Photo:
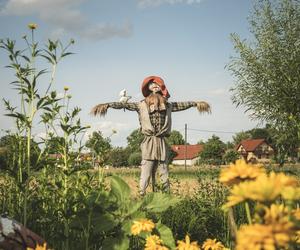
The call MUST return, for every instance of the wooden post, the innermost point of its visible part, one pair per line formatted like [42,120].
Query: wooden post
[185,145]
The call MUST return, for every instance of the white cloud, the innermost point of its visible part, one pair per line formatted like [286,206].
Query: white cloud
[155,3]
[218,92]
[107,127]
[65,16]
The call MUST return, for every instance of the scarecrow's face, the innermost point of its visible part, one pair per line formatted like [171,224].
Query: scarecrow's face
[154,87]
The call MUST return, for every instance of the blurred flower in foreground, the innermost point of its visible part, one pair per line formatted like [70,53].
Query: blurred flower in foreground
[266,237]
[32,26]
[153,242]
[210,244]
[187,244]
[264,189]
[239,172]
[142,225]
[66,88]
[276,213]
[38,247]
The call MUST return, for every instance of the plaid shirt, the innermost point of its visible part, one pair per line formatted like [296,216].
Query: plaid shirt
[157,118]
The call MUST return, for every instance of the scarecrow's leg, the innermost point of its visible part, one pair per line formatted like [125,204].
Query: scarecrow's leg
[154,168]
[163,170]
[146,172]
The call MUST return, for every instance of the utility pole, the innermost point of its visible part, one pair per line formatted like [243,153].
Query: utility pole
[185,145]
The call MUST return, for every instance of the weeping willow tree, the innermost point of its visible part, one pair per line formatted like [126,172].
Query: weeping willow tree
[266,67]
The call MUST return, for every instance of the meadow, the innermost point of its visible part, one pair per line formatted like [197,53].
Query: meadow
[74,206]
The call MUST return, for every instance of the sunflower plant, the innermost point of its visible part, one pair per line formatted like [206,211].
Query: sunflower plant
[273,222]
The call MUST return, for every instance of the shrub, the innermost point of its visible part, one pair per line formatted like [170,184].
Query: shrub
[135,159]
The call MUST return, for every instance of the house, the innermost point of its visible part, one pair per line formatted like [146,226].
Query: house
[255,150]
[188,152]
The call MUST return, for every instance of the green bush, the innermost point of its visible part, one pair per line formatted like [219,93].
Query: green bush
[135,159]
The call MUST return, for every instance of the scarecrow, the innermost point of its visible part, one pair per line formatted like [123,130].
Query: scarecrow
[155,120]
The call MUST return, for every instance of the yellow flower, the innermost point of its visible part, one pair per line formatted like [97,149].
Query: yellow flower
[210,244]
[297,238]
[296,213]
[32,26]
[239,172]
[276,213]
[66,88]
[264,188]
[267,237]
[142,225]
[187,244]
[152,242]
[291,193]
[38,247]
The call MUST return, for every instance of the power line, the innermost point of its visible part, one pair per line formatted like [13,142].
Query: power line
[212,131]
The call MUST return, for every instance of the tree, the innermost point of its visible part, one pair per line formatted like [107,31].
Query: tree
[238,137]
[213,151]
[175,138]
[231,156]
[118,157]
[267,69]
[135,159]
[99,146]
[134,140]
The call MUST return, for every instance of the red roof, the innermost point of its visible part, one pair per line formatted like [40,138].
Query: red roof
[250,144]
[192,151]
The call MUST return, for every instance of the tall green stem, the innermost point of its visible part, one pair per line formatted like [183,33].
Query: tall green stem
[248,213]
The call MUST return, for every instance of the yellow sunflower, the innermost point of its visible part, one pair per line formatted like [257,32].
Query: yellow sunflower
[291,193]
[239,172]
[152,242]
[210,244]
[142,225]
[267,237]
[38,247]
[264,188]
[276,213]
[238,194]
[187,244]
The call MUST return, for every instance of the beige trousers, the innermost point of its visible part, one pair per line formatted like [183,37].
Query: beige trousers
[148,169]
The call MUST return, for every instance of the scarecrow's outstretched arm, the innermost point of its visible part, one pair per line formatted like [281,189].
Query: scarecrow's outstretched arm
[101,109]
[201,106]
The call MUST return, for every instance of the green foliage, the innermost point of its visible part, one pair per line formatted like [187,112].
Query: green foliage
[230,156]
[135,159]
[175,138]
[238,137]
[32,101]
[99,147]
[118,157]
[201,219]
[134,140]
[212,151]
[266,69]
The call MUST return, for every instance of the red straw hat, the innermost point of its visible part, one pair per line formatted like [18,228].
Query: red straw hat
[159,81]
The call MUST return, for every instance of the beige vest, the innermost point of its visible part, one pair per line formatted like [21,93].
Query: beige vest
[154,146]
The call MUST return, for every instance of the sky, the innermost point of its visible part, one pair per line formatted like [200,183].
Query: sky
[118,43]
